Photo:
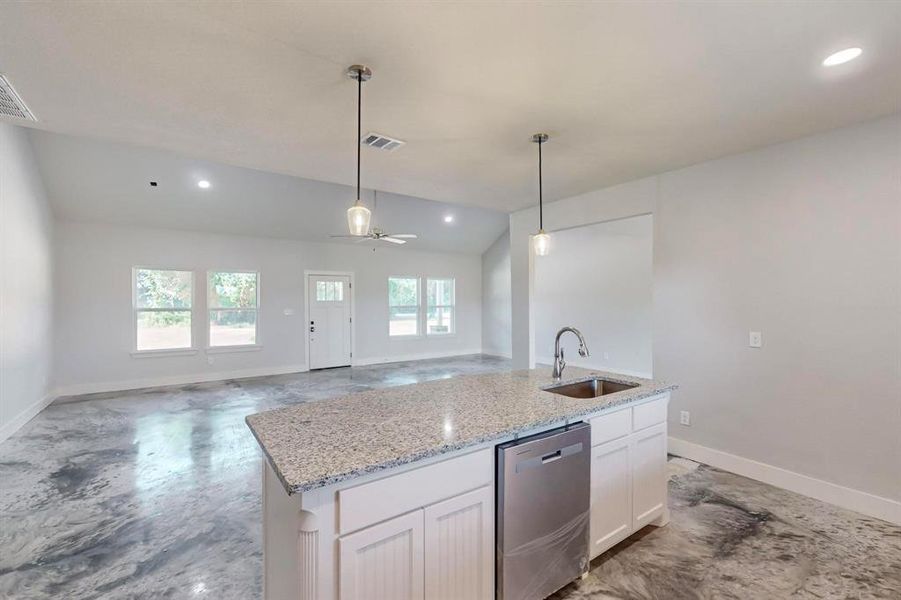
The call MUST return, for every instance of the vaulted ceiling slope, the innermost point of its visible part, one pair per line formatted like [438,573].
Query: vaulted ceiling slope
[625,89]
[109,182]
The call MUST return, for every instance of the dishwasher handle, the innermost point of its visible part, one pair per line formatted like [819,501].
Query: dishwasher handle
[551,457]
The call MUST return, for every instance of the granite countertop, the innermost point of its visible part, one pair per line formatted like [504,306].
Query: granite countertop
[323,442]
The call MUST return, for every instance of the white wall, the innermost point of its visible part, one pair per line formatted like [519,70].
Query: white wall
[94,334]
[801,241]
[598,279]
[496,317]
[618,202]
[26,280]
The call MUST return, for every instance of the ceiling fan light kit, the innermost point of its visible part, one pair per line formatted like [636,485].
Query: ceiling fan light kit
[541,241]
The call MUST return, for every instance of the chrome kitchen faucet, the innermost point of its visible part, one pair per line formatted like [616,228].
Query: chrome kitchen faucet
[559,363]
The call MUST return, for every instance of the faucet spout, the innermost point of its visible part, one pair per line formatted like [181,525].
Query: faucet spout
[559,362]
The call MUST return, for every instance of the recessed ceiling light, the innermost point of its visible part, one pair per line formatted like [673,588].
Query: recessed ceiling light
[448,218]
[842,56]
[203,184]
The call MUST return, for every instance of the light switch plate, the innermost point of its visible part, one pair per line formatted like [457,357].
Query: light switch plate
[685,418]
[755,339]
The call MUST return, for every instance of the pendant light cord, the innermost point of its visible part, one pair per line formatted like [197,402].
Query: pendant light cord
[359,125]
[540,192]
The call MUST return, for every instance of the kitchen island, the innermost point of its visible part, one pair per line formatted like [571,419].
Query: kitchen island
[390,493]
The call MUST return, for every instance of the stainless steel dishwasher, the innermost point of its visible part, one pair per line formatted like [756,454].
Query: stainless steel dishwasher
[543,498]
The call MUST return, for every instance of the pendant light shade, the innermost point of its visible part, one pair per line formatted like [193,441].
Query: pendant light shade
[358,216]
[541,242]
[358,219]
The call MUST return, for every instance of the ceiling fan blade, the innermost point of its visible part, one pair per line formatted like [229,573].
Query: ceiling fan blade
[409,236]
[393,240]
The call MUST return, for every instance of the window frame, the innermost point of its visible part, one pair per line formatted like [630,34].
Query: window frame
[210,349]
[453,307]
[418,307]
[135,311]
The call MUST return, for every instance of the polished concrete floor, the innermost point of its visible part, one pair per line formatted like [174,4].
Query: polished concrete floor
[155,494]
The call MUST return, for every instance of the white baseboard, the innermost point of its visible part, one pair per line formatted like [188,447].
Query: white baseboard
[856,500]
[506,355]
[136,384]
[25,416]
[378,360]
[549,360]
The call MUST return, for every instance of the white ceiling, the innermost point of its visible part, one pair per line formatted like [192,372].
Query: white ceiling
[625,89]
[109,182]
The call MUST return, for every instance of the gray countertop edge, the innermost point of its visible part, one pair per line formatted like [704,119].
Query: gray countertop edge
[610,401]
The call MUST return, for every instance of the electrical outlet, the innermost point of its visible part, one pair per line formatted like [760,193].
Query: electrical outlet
[685,418]
[755,339]
[606,356]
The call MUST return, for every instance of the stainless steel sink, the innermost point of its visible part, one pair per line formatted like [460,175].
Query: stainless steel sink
[590,389]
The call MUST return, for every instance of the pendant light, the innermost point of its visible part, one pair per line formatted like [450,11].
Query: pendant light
[541,242]
[358,216]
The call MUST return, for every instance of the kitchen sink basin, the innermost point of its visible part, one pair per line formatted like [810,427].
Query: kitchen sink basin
[591,388]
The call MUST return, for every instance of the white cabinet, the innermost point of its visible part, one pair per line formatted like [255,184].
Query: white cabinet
[611,494]
[384,561]
[442,552]
[648,475]
[628,474]
[459,548]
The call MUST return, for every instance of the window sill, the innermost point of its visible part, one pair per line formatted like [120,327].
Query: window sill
[227,349]
[162,353]
[405,337]
[441,335]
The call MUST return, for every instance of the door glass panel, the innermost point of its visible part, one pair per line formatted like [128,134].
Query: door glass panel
[329,291]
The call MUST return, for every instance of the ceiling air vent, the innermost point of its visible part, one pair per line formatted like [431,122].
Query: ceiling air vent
[381,142]
[11,104]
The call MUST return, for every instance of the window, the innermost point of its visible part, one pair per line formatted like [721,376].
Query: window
[440,310]
[163,302]
[232,298]
[403,306]
[329,291]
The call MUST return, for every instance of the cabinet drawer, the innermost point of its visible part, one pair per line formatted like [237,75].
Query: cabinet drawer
[385,498]
[609,427]
[648,414]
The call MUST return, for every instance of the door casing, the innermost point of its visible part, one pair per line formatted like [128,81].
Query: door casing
[306,311]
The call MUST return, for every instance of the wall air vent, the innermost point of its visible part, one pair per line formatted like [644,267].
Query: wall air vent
[11,104]
[381,142]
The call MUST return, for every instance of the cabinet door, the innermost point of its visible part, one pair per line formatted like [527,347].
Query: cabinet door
[459,547]
[648,475]
[383,562]
[611,494]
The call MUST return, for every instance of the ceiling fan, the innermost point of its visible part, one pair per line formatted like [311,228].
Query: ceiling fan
[380,236]
[358,216]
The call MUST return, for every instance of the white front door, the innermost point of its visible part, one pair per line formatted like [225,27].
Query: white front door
[329,325]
